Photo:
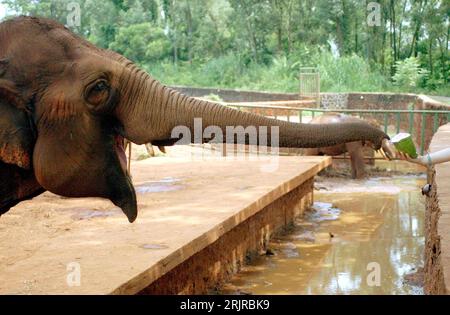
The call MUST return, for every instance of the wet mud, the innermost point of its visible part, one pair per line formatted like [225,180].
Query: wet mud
[166,184]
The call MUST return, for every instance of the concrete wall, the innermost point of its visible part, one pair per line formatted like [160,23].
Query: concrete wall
[424,102]
[232,96]
[380,100]
[405,102]
[437,220]
[334,100]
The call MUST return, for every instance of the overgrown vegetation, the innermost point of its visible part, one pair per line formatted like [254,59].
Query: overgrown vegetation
[348,73]
[261,44]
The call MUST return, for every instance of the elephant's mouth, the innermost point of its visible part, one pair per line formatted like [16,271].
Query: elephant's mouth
[121,191]
[119,148]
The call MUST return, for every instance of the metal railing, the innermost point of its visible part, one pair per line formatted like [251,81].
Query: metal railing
[386,115]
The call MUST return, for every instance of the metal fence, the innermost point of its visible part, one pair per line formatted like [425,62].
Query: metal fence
[385,116]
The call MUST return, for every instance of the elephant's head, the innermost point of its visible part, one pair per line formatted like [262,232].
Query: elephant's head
[66,107]
[59,94]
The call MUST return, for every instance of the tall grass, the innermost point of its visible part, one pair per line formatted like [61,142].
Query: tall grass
[344,74]
[349,73]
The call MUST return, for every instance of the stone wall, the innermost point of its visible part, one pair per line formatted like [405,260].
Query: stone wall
[437,220]
[334,100]
[381,101]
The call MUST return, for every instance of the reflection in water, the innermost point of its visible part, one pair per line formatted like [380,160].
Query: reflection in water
[329,251]
[323,211]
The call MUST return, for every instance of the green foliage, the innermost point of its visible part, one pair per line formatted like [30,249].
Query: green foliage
[350,73]
[408,73]
[141,42]
[261,44]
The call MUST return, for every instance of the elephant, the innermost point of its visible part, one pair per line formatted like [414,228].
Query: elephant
[355,148]
[148,146]
[66,107]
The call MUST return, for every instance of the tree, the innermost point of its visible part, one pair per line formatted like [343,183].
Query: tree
[142,43]
[282,34]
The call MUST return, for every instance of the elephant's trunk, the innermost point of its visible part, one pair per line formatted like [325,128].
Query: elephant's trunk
[153,110]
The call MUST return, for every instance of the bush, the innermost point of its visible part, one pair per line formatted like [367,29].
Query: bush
[344,74]
[349,73]
[142,43]
[408,74]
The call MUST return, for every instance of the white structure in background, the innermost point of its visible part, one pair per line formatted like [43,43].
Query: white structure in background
[334,48]
[310,84]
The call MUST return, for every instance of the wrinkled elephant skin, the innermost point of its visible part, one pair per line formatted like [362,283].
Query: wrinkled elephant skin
[355,149]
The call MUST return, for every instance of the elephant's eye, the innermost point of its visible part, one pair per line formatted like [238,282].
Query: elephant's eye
[98,93]
[100,86]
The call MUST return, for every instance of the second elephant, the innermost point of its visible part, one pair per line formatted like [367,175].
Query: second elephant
[355,149]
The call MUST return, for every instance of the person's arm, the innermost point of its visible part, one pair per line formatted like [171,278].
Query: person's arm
[441,156]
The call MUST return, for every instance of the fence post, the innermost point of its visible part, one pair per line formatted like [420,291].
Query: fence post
[398,122]
[385,123]
[300,116]
[435,122]
[422,133]
[318,89]
[411,122]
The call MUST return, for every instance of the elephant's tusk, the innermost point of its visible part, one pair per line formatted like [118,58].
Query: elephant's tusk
[129,159]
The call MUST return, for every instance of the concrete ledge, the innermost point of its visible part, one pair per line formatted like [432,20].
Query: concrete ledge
[437,232]
[216,263]
[229,95]
[197,222]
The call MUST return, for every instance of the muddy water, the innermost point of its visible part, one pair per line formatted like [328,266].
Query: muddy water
[355,229]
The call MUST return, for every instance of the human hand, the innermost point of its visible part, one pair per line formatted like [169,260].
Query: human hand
[421,160]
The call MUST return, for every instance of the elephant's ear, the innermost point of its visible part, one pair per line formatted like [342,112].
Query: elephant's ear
[16,147]
[16,133]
